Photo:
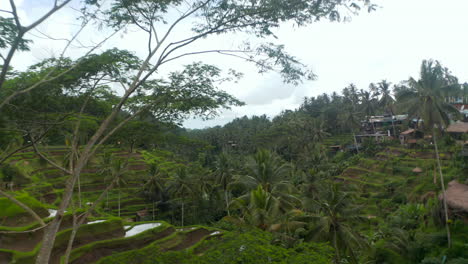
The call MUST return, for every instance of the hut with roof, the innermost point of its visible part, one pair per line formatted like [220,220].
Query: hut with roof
[410,136]
[458,130]
[457,197]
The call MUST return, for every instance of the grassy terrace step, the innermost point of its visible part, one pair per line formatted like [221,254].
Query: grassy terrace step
[190,239]
[85,235]
[13,215]
[130,210]
[27,241]
[92,252]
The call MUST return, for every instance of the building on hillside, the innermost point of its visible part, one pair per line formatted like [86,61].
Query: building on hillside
[456,99]
[461,103]
[382,124]
[410,136]
[375,137]
[458,130]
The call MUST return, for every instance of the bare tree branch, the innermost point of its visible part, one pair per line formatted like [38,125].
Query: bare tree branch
[51,162]
[21,31]
[15,15]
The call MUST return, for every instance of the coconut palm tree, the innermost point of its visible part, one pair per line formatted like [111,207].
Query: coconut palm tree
[153,187]
[334,214]
[350,120]
[181,187]
[104,169]
[425,100]
[224,176]
[265,169]
[260,208]
[118,173]
[386,100]
[268,171]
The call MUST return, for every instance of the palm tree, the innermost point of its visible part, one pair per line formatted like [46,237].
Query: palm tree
[368,104]
[265,169]
[153,187]
[386,100]
[334,215]
[118,173]
[260,208]
[349,119]
[105,165]
[425,98]
[224,175]
[181,187]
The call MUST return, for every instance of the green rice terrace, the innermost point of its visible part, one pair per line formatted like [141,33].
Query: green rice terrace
[118,232]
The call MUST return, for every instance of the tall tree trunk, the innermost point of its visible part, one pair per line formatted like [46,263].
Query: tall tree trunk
[227,201]
[449,243]
[119,202]
[355,142]
[71,239]
[48,240]
[50,232]
[153,210]
[79,192]
[393,125]
[182,213]
[335,244]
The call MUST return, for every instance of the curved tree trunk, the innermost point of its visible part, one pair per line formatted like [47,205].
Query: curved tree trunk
[443,190]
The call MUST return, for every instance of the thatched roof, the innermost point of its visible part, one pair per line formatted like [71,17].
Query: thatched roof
[417,170]
[459,127]
[457,196]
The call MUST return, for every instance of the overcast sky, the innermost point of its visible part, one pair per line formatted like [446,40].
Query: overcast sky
[389,43]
